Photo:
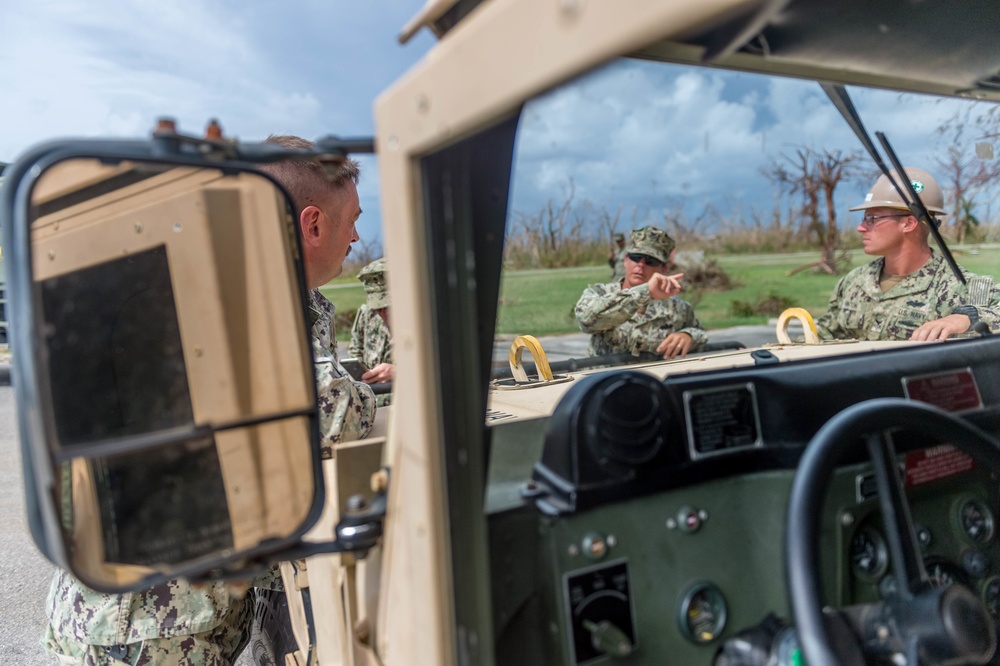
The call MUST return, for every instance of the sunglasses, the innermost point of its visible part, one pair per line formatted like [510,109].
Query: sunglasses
[869,221]
[652,263]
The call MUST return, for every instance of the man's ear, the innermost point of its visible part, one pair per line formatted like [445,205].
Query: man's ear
[309,225]
[910,223]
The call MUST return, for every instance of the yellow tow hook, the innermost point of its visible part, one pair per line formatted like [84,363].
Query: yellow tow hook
[804,318]
[532,344]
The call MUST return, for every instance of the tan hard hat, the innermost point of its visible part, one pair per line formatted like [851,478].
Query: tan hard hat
[884,195]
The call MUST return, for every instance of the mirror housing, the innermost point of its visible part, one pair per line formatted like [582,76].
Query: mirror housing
[162,361]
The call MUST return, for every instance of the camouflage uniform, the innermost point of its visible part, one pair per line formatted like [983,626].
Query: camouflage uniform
[630,320]
[371,340]
[621,320]
[346,406]
[172,623]
[859,310]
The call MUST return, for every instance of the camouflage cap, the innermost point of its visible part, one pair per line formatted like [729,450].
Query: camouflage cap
[373,278]
[652,242]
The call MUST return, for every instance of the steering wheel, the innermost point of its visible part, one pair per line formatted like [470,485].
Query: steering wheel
[929,626]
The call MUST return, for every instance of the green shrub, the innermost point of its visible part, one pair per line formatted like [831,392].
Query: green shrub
[770,306]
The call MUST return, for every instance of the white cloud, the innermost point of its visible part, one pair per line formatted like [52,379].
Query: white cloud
[633,135]
[111,68]
[658,136]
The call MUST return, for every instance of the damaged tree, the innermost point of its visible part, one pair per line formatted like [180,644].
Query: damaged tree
[816,175]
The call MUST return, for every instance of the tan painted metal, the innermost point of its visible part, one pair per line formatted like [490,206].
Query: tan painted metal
[803,317]
[534,347]
[395,607]
[243,338]
[541,401]
[342,596]
[459,87]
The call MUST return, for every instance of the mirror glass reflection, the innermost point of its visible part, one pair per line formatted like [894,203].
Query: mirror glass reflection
[177,377]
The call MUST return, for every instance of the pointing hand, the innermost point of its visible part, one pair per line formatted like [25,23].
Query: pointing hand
[664,286]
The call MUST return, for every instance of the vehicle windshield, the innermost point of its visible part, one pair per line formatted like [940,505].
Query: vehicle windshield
[751,177]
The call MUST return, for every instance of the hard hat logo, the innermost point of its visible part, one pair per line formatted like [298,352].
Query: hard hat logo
[884,193]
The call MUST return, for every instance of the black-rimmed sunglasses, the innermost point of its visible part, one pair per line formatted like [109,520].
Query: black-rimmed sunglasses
[652,263]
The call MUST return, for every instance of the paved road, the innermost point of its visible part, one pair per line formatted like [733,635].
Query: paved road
[25,574]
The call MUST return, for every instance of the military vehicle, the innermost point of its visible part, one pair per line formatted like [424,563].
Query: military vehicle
[795,503]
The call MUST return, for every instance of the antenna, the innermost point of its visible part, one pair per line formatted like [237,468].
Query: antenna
[842,100]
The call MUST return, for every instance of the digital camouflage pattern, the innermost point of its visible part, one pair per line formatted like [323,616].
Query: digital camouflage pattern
[859,310]
[346,406]
[372,277]
[171,623]
[652,242]
[629,320]
[371,342]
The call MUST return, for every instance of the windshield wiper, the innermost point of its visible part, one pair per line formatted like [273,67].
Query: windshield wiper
[838,95]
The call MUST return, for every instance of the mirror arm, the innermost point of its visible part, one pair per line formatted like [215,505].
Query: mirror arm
[330,151]
[359,530]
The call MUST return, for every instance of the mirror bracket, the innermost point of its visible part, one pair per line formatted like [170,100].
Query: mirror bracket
[359,530]
[361,523]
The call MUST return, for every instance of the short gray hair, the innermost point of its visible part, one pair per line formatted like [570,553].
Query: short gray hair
[306,180]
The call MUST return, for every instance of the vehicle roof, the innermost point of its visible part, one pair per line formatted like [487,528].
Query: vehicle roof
[932,46]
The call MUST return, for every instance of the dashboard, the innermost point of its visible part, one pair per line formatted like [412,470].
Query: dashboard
[644,520]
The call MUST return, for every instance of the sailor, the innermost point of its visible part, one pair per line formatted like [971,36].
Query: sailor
[909,291]
[371,340]
[641,312]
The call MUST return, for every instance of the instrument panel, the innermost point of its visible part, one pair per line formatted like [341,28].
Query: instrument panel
[666,500]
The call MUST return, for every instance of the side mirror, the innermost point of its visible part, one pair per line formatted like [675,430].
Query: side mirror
[161,363]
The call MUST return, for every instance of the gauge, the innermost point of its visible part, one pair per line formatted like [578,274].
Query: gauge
[869,556]
[786,648]
[976,520]
[991,595]
[975,564]
[702,613]
[600,609]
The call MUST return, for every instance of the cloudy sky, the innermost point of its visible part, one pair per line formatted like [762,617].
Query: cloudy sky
[643,137]
[650,138]
[111,68]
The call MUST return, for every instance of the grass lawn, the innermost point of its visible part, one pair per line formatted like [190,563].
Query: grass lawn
[540,302]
